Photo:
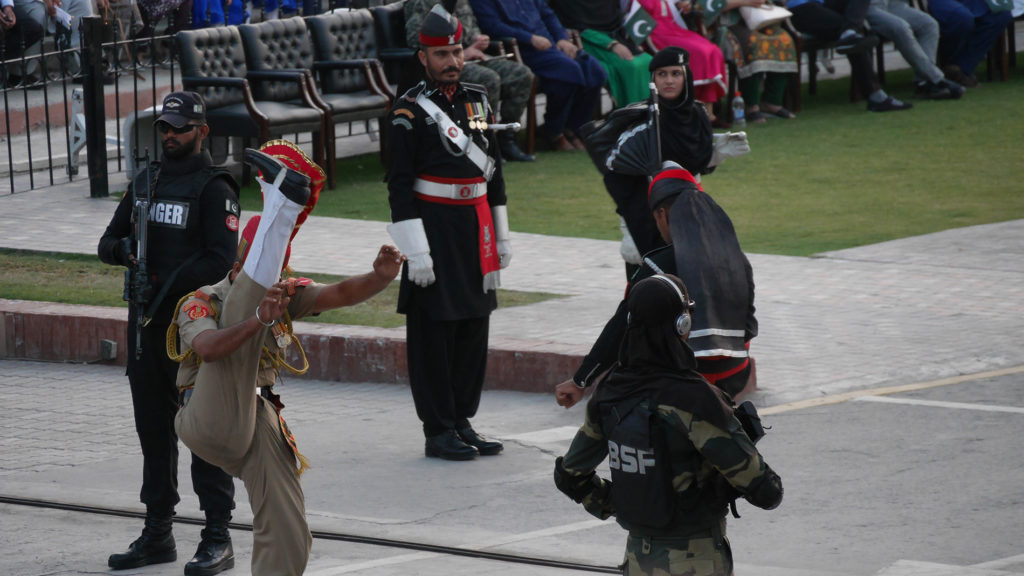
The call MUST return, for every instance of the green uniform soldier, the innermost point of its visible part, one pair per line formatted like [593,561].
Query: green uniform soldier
[678,455]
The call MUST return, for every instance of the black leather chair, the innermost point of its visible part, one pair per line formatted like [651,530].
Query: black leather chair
[283,46]
[399,59]
[350,79]
[213,63]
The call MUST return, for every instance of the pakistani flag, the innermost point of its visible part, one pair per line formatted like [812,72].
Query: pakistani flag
[639,24]
[1000,5]
[712,9]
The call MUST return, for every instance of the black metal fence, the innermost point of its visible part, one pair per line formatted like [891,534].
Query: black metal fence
[94,97]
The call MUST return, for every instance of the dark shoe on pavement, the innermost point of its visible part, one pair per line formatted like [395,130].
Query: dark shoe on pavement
[890,104]
[212,557]
[154,546]
[856,43]
[932,91]
[510,150]
[483,445]
[296,184]
[215,553]
[448,446]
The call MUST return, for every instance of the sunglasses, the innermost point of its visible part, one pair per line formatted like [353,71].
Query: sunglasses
[165,128]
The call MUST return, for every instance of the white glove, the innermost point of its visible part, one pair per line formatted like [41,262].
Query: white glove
[411,238]
[630,253]
[729,145]
[500,216]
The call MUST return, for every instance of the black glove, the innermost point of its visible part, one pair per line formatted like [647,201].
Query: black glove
[575,487]
[766,493]
[123,252]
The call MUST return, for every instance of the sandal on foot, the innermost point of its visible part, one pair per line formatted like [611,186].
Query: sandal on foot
[781,112]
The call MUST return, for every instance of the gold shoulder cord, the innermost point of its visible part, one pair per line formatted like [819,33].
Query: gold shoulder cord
[172,332]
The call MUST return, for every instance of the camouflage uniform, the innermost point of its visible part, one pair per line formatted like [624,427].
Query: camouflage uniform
[702,455]
[508,83]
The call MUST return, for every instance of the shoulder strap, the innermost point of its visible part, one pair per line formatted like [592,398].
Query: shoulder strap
[450,132]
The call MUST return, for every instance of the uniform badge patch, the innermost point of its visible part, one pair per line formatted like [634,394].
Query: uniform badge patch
[232,222]
[197,310]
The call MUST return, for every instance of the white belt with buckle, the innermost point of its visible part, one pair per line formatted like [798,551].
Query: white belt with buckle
[450,191]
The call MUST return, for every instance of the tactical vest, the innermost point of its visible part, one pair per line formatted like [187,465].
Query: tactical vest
[640,463]
[174,216]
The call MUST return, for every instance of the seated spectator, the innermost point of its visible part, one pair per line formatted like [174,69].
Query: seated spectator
[600,23]
[44,12]
[706,61]
[177,12]
[508,83]
[916,36]
[968,30]
[842,21]
[570,78]
[763,57]
[208,13]
[17,32]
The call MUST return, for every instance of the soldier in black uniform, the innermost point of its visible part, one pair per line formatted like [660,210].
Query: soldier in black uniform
[721,280]
[447,198]
[193,234]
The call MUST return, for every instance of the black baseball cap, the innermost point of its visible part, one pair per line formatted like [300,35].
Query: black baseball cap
[183,108]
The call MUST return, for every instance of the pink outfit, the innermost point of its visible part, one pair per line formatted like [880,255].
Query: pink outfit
[706,61]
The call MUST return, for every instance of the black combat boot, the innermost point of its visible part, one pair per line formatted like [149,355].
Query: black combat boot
[510,150]
[215,553]
[155,546]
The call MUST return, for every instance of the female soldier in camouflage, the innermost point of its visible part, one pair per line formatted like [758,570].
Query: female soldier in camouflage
[677,453]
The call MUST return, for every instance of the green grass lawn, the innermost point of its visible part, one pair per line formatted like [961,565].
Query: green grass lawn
[83,279]
[837,176]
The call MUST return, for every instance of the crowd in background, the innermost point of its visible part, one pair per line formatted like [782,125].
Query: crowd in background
[943,41]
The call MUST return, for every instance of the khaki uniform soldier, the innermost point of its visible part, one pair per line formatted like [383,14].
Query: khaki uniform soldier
[678,454]
[507,82]
[233,338]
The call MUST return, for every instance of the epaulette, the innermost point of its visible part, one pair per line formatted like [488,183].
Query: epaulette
[474,88]
[293,283]
[411,94]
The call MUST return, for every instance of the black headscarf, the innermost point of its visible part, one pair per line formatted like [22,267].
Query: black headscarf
[655,361]
[686,136]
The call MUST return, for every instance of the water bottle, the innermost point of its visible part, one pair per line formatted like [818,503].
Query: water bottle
[738,111]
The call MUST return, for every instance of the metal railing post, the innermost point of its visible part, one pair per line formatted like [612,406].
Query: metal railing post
[95,105]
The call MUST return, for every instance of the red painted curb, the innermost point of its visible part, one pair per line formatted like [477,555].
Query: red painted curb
[70,333]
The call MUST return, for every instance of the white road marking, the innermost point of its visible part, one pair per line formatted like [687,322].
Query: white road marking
[940,404]
[549,436]
[846,396]
[1002,563]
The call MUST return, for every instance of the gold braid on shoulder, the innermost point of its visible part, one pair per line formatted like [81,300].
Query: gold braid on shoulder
[172,332]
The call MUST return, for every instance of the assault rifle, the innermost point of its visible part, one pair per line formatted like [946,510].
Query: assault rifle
[137,287]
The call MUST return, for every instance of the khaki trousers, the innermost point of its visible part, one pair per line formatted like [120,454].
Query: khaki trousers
[226,423]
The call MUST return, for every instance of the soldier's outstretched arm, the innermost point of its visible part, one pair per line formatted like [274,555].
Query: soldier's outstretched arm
[212,345]
[354,290]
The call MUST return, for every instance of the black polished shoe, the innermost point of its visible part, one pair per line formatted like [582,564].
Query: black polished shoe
[214,555]
[296,184]
[154,546]
[448,446]
[483,445]
[510,151]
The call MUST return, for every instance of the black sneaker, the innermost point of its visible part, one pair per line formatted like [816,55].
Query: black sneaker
[856,43]
[932,91]
[955,90]
[890,104]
